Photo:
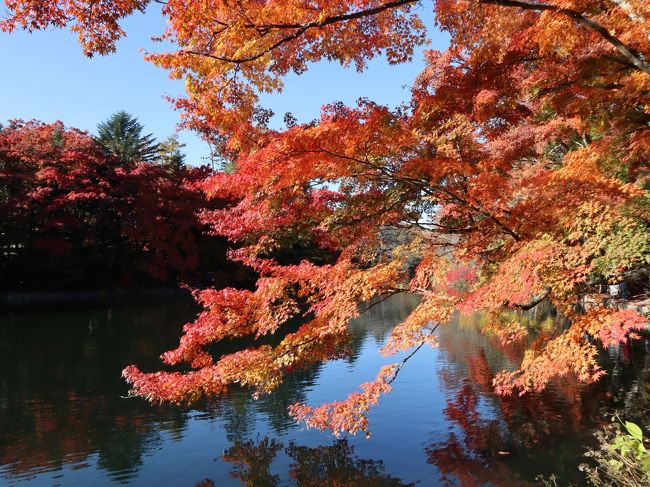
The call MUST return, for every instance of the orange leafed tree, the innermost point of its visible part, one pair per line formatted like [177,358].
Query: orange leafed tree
[518,170]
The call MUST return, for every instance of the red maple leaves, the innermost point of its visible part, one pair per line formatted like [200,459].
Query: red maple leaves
[521,156]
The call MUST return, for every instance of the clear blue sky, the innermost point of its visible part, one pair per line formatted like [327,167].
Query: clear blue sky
[46,77]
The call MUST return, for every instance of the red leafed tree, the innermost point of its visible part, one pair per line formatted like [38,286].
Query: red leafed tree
[521,156]
[68,207]
[50,177]
[159,217]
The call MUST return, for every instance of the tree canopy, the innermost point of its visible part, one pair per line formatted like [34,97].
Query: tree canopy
[121,135]
[519,167]
[73,214]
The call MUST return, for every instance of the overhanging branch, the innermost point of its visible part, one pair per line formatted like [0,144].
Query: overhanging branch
[634,58]
[300,29]
[534,301]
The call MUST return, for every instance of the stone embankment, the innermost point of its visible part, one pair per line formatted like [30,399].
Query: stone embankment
[640,304]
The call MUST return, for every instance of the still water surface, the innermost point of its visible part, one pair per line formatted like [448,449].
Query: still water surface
[64,420]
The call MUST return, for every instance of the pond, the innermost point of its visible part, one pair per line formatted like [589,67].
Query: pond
[64,419]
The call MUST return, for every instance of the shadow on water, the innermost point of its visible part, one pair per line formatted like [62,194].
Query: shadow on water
[64,420]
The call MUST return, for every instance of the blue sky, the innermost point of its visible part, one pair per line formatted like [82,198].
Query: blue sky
[46,77]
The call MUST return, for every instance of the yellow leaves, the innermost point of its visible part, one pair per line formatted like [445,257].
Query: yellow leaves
[637,84]
[583,166]
[571,353]
[342,294]
[520,278]
[449,136]
[607,238]
[610,326]
[557,35]
[494,30]
[430,273]
[580,163]
[507,331]
[417,327]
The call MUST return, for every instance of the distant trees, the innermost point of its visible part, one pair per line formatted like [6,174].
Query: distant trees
[122,136]
[170,154]
[72,212]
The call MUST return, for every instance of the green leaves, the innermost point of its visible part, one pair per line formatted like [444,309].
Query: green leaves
[631,447]
[634,431]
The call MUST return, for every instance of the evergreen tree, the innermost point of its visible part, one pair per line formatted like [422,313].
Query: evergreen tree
[121,135]
[169,153]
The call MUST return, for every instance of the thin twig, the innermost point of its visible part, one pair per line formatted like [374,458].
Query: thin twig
[417,349]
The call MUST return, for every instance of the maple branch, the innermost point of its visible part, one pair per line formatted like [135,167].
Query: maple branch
[484,213]
[534,301]
[252,57]
[301,29]
[634,58]
[383,298]
[318,337]
[297,346]
[408,357]
[368,216]
[339,18]
[421,185]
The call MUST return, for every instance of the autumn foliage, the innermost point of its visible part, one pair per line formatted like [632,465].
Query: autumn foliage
[73,215]
[519,167]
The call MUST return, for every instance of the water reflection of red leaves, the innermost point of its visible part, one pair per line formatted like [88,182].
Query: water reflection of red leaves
[481,436]
[458,467]
[58,439]
[493,428]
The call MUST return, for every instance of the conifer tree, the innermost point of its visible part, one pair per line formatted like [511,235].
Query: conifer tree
[122,135]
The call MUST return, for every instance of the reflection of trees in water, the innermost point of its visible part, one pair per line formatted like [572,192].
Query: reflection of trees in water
[60,388]
[60,401]
[252,462]
[336,465]
[71,430]
[629,386]
[382,315]
[499,437]
[459,467]
[329,465]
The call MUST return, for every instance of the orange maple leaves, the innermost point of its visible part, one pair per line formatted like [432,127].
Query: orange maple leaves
[572,352]
[96,22]
[349,415]
[518,171]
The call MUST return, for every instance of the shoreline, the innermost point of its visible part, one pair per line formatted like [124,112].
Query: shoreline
[52,300]
[640,304]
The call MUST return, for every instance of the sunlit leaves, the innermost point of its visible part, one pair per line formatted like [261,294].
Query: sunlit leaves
[517,172]
[96,22]
[513,176]
[350,414]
